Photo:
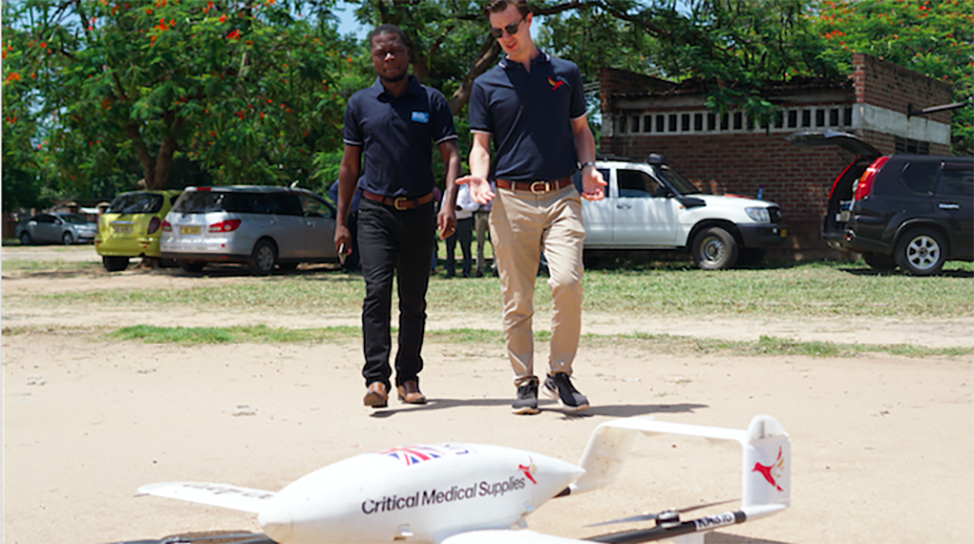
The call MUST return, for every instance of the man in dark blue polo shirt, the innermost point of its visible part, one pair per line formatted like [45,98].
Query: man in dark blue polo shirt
[532,107]
[391,128]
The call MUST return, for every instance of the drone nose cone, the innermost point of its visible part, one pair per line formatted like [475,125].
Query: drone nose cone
[276,523]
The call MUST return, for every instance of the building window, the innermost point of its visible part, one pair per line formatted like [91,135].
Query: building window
[806,118]
[906,145]
[819,117]
[711,121]
[685,122]
[750,123]
[647,123]
[698,122]
[738,120]
[779,119]
[847,117]
[834,117]
[622,125]
[635,124]
[672,122]
[792,119]
[723,121]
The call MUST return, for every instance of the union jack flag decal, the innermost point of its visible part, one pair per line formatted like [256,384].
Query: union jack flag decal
[412,455]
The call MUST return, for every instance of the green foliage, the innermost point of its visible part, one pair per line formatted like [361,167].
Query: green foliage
[730,49]
[933,37]
[248,92]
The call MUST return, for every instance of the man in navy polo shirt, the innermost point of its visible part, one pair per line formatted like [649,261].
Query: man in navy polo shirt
[391,128]
[532,106]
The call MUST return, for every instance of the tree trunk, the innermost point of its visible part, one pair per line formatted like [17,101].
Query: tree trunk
[485,58]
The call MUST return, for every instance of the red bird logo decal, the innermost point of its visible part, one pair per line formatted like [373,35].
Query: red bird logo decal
[771,472]
[528,469]
[554,84]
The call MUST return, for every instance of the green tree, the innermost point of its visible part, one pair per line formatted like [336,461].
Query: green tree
[935,38]
[732,47]
[250,91]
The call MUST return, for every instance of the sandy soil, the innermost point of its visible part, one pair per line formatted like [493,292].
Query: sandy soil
[882,445]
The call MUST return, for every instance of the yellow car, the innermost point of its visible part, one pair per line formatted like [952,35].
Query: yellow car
[131,227]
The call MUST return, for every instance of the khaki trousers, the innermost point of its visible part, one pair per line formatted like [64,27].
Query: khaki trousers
[522,225]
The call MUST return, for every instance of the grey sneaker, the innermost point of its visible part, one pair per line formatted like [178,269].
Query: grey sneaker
[560,388]
[527,399]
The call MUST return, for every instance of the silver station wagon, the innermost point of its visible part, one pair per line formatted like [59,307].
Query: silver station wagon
[260,226]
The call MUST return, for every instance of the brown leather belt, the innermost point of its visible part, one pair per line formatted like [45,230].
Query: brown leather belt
[399,203]
[536,187]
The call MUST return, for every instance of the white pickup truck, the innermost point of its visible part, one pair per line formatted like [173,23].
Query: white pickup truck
[650,206]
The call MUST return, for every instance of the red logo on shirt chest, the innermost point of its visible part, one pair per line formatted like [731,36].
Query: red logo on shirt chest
[554,84]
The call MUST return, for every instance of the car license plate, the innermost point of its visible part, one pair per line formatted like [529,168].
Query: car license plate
[189,230]
[122,229]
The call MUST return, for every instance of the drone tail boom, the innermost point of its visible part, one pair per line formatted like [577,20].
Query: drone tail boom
[766,468]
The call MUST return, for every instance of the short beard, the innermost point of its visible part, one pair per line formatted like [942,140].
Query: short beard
[395,79]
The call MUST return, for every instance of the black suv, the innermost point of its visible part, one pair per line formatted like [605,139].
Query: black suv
[914,211]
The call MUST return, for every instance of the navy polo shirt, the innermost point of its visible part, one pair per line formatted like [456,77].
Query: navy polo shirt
[528,116]
[396,134]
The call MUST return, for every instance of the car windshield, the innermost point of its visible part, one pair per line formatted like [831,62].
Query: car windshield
[678,182]
[74,218]
[136,203]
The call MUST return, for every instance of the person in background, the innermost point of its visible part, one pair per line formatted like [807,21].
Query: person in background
[437,198]
[463,234]
[481,217]
[389,133]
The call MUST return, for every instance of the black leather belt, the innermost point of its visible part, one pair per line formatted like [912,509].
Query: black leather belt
[536,187]
[399,203]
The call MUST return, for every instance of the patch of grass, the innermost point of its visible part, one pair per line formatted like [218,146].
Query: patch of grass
[57,266]
[764,346]
[815,289]
[260,334]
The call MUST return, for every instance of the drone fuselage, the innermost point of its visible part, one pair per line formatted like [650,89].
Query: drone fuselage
[423,493]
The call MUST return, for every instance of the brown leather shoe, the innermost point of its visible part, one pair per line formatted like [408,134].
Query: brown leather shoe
[410,394]
[376,396]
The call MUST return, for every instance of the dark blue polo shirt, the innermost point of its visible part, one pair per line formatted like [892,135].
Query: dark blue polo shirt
[528,116]
[397,134]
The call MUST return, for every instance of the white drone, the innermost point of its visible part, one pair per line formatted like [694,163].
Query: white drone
[479,494]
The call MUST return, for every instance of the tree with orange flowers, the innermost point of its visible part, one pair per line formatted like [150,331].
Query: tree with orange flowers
[248,91]
[933,37]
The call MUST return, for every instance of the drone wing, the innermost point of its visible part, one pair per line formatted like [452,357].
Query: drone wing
[223,495]
[508,536]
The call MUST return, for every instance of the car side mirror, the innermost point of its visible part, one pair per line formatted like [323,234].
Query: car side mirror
[662,192]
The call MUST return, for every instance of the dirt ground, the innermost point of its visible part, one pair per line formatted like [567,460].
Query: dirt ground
[882,445]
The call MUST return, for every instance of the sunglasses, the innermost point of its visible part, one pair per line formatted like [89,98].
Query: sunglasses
[511,29]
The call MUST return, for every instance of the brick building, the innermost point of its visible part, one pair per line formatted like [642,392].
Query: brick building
[729,153]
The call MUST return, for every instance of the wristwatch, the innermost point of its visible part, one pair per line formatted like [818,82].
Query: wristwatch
[589,163]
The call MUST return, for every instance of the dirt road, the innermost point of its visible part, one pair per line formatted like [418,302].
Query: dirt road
[882,445]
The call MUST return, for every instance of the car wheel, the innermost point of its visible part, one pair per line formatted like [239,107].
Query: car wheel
[287,268]
[920,252]
[263,258]
[878,261]
[115,264]
[714,248]
[25,239]
[751,256]
[193,267]
[67,239]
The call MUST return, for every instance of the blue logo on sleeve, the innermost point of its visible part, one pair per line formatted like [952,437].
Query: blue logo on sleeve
[421,117]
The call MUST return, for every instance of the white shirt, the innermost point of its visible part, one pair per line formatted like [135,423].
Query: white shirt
[465,205]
